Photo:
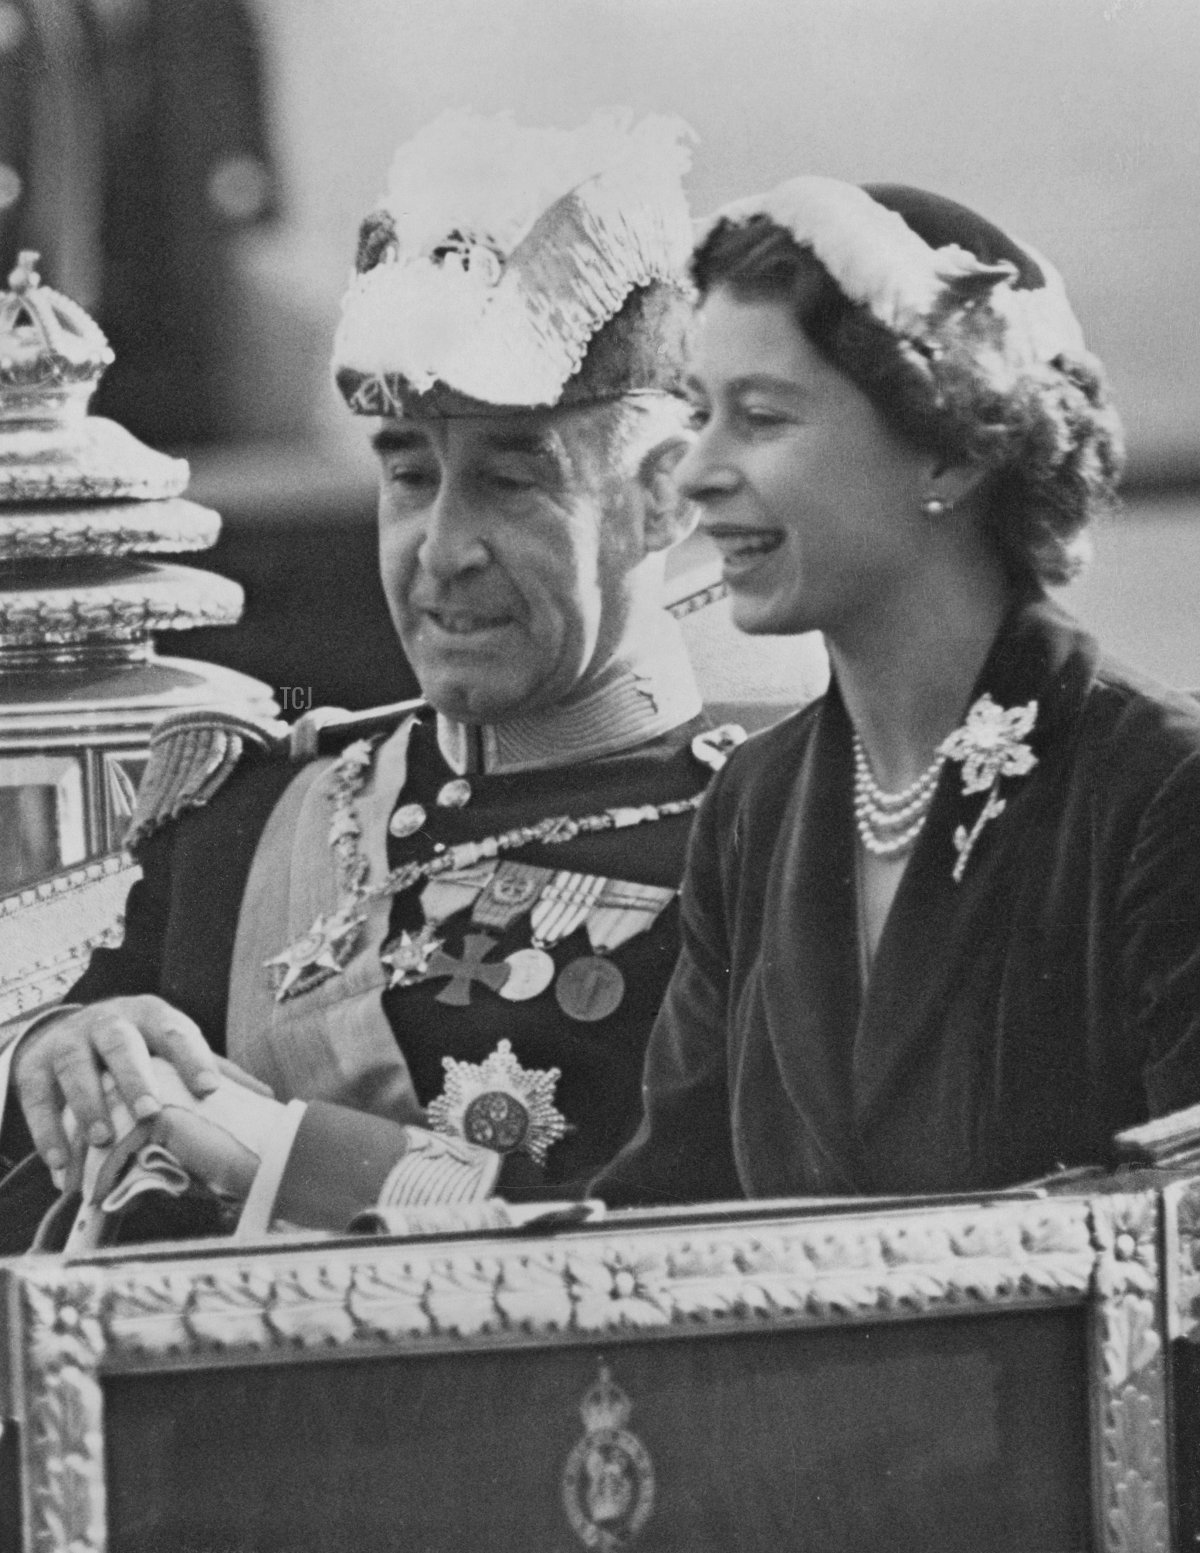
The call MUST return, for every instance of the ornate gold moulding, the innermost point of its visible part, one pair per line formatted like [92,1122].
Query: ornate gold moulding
[619,1295]
[86,601]
[56,533]
[89,460]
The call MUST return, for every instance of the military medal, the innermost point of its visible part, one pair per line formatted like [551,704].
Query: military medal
[562,904]
[530,972]
[316,956]
[592,987]
[511,893]
[589,988]
[499,893]
[512,890]
[560,908]
[499,1105]
[407,820]
[455,794]
[472,967]
[408,956]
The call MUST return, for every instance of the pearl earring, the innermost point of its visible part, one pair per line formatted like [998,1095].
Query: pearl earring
[934,507]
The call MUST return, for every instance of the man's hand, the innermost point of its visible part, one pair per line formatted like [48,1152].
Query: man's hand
[62,1066]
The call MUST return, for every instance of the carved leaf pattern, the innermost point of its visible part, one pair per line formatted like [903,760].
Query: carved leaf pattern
[461,1297]
[987,1238]
[1137,1516]
[1138,1520]
[148,1316]
[389,1301]
[618,1289]
[1125,1229]
[309,1308]
[64,1416]
[829,1249]
[1131,1343]
[533,1295]
[1045,1232]
[1188,1217]
[228,1308]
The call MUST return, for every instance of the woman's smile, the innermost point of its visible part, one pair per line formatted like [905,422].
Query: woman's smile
[742,548]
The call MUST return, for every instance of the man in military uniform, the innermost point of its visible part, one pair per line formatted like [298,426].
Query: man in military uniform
[458,915]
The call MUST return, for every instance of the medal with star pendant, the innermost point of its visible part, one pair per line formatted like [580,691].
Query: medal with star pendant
[315,957]
[408,955]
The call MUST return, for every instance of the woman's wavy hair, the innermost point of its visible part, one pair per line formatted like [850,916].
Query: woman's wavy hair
[1050,440]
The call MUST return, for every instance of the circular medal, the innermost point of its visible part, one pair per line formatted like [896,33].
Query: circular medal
[496,1120]
[407,820]
[455,794]
[589,988]
[530,972]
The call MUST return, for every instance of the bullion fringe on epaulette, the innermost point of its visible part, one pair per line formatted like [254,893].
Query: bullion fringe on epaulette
[191,757]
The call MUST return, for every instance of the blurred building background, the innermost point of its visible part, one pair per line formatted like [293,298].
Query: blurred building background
[195,170]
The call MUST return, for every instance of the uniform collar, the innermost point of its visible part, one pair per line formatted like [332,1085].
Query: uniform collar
[637,697]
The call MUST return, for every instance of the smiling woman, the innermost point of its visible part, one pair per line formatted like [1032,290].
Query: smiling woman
[942,928]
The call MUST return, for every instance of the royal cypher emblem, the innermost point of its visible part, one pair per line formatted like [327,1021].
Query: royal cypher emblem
[608,1480]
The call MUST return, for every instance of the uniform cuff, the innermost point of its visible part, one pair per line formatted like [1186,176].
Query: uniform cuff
[341,1161]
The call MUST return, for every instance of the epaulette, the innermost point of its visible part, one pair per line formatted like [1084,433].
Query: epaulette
[191,755]
[328,728]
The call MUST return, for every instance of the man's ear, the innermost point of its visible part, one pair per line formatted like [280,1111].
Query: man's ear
[667,516]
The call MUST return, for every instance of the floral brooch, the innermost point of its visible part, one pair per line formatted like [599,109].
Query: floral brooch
[990,745]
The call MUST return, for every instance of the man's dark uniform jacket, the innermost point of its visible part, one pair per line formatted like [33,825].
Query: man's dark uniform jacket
[182,917]
[1012,1021]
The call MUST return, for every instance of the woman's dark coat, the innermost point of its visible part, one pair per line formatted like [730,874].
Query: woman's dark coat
[1012,1022]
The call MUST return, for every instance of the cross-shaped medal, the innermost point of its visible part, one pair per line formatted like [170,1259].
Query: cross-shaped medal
[470,968]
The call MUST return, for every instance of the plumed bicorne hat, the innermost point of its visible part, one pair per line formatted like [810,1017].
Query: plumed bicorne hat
[512,267]
[930,270]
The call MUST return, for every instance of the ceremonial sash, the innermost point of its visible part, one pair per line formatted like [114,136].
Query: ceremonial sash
[335,1042]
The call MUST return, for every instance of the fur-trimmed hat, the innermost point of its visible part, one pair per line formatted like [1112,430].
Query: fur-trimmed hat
[931,271]
[516,267]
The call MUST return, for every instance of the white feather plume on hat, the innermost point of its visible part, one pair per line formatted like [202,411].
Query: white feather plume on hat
[913,289]
[498,252]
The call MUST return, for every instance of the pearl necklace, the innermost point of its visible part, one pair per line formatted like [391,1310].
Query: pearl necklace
[889,823]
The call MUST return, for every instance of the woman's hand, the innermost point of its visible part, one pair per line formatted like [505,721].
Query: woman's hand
[63,1063]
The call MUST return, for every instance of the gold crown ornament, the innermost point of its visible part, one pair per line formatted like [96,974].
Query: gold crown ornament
[81,502]
[499,253]
[52,357]
[77,492]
